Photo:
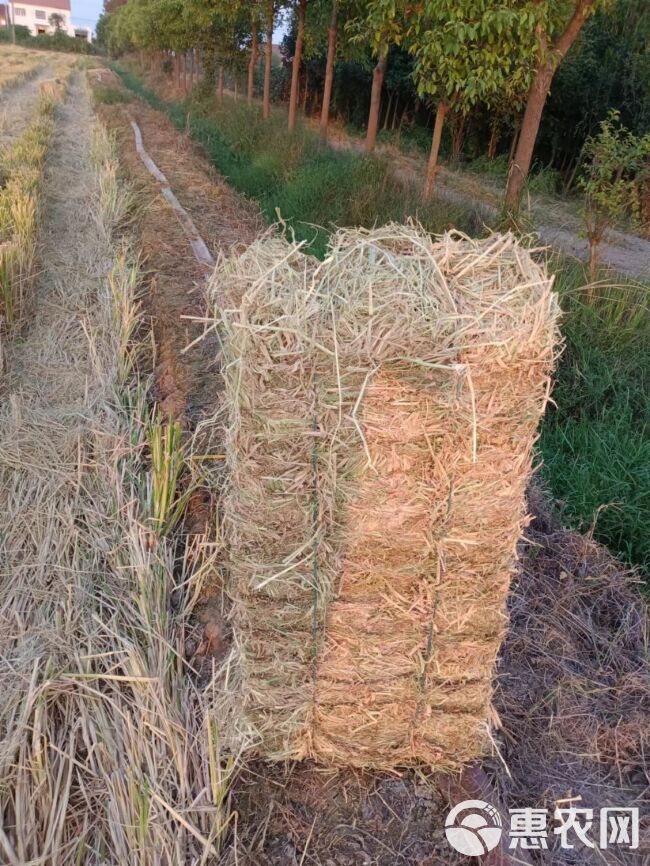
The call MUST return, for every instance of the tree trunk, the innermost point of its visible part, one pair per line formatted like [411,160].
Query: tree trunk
[252,61]
[220,85]
[268,58]
[493,142]
[329,71]
[572,175]
[177,70]
[295,66]
[236,89]
[432,167]
[458,137]
[375,98]
[395,113]
[513,144]
[185,71]
[388,108]
[594,261]
[535,105]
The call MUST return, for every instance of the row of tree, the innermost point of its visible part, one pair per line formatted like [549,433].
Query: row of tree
[501,55]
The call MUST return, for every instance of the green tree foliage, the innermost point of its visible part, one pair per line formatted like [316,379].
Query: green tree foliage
[468,52]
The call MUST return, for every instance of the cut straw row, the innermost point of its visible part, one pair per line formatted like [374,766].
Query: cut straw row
[106,755]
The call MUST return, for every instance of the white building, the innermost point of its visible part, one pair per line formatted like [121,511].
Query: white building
[38,17]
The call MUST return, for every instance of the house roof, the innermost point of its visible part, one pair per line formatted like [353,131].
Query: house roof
[54,5]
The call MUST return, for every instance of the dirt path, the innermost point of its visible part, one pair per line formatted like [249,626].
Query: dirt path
[555,220]
[186,383]
[17,104]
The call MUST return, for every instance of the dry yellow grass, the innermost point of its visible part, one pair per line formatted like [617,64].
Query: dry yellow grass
[21,165]
[106,756]
[17,63]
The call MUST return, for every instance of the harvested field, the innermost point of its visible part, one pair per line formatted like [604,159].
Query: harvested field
[17,64]
[115,644]
[97,728]
[21,165]
[20,96]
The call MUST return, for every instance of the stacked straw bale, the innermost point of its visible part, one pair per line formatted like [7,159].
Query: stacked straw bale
[383,407]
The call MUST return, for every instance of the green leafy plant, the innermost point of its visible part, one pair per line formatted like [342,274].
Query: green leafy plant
[167,454]
[616,167]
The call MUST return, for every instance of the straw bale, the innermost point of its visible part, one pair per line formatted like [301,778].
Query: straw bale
[383,407]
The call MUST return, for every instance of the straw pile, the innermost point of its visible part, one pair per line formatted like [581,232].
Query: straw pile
[383,406]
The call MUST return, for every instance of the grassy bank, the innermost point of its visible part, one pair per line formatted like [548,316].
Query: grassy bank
[596,441]
[594,444]
[292,176]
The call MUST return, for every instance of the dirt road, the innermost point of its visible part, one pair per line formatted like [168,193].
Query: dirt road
[555,221]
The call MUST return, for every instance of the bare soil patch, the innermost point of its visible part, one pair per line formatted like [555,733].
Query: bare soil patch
[186,384]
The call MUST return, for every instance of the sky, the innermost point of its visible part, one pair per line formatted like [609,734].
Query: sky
[86,12]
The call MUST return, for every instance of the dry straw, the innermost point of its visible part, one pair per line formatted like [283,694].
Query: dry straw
[106,756]
[383,406]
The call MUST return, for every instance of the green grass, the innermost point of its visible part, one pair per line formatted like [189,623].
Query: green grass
[541,180]
[595,444]
[313,188]
[110,95]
